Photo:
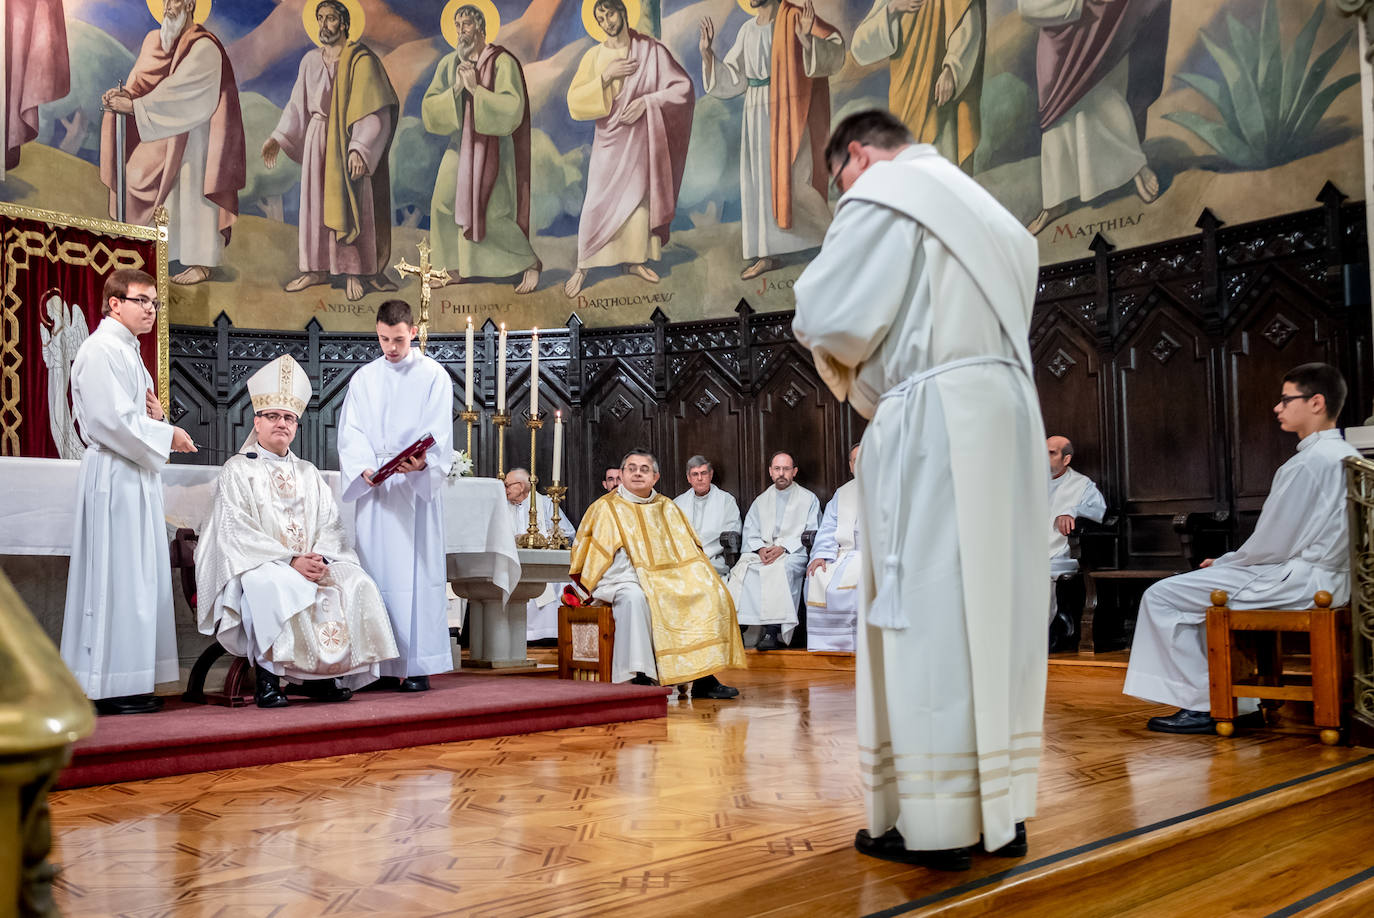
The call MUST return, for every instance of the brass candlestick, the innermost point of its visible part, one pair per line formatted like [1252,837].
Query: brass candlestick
[501,420]
[557,539]
[533,538]
[470,417]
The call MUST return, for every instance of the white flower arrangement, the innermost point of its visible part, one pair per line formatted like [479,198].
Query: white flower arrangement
[462,465]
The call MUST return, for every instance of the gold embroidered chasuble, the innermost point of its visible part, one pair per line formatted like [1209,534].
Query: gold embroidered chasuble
[692,616]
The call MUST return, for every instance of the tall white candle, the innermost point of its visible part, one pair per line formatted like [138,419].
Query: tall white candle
[534,375]
[467,383]
[501,372]
[557,446]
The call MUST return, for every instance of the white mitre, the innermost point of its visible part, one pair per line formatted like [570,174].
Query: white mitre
[281,385]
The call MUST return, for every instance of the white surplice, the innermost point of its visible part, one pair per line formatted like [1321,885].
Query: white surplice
[745,69]
[400,523]
[917,311]
[1300,545]
[768,594]
[832,593]
[541,612]
[118,633]
[183,103]
[268,510]
[711,515]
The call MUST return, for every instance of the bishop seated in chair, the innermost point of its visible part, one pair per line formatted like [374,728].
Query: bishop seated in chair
[276,580]
[674,620]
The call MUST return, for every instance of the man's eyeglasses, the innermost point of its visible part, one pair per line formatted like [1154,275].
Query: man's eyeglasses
[835,179]
[1285,399]
[273,417]
[143,301]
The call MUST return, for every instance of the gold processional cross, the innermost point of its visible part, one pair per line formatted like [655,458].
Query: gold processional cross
[429,279]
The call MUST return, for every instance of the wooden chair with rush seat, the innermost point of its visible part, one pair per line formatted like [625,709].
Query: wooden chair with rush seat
[1245,659]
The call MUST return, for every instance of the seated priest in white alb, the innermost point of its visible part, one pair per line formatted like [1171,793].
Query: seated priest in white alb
[832,577]
[710,510]
[767,580]
[1073,496]
[276,579]
[1299,546]
[674,621]
[541,614]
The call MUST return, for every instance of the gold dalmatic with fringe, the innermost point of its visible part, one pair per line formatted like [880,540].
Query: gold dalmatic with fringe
[692,617]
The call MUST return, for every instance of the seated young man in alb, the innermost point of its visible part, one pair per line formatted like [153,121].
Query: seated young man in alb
[276,579]
[1299,547]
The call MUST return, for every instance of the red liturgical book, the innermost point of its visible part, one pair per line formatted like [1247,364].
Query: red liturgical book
[414,449]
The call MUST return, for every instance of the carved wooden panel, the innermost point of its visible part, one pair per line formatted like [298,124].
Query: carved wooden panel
[1069,380]
[706,416]
[796,413]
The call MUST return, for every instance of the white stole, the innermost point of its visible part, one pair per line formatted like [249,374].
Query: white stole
[846,521]
[775,592]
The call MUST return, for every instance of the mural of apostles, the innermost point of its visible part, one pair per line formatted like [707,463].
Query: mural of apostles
[338,125]
[1098,67]
[184,144]
[936,51]
[36,69]
[642,102]
[480,212]
[780,62]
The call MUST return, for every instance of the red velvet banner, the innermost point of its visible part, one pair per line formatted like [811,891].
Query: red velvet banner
[50,303]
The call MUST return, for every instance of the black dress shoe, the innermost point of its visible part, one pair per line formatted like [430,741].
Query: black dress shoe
[1183,721]
[641,679]
[129,704]
[268,693]
[414,684]
[1017,847]
[326,690]
[711,687]
[771,639]
[890,847]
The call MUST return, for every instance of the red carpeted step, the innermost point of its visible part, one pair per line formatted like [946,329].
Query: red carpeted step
[186,738]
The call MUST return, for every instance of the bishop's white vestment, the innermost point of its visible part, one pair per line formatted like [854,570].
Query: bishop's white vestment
[711,515]
[917,312]
[768,594]
[832,593]
[1300,545]
[118,631]
[541,612]
[267,511]
[400,523]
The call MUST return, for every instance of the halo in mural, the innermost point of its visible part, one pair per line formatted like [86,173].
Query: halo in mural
[489,12]
[744,5]
[202,13]
[633,8]
[357,19]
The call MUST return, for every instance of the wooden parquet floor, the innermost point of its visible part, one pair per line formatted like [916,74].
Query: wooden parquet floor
[724,809]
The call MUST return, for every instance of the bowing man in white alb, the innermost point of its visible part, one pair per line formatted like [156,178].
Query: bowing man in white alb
[541,612]
[766,582]
[118,634]
[917,313]
[1299,546]
[832,577]
[710,510]
[276,580]
[392,402]
[1073,496]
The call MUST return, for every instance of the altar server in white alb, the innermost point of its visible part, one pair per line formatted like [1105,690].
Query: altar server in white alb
[916,312]
[767,580]
[832,577]
[392,402]
[1073,496]
[710,510]
[1300,545]
[541,612]
[118,635]
[276,580]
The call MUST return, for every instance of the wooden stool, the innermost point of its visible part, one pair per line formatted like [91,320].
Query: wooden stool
[586,638]
[1328,630]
